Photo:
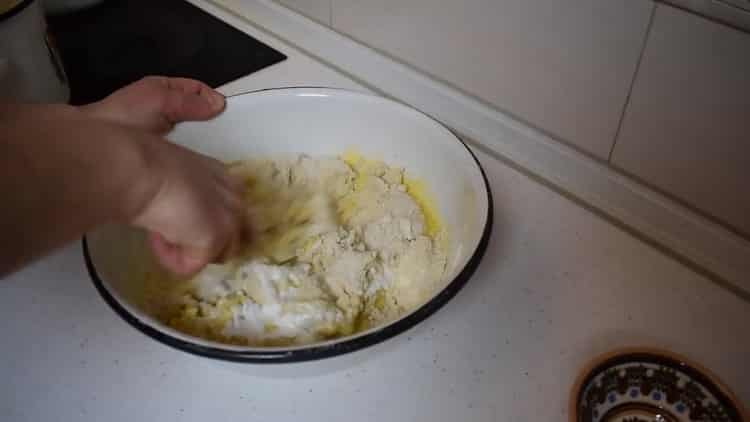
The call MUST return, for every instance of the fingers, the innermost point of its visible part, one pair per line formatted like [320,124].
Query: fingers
[156,103]
[222,175]
[188,86]
[189,248]
[173,257]
[187,259]
[188,99]
[198,216]
[231,184]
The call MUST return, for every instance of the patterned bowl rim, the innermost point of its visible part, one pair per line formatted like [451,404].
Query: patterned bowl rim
[620,355]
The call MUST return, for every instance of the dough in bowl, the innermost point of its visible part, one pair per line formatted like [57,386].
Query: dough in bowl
[339,245]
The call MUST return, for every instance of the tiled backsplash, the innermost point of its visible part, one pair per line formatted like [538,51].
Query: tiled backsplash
[733,12]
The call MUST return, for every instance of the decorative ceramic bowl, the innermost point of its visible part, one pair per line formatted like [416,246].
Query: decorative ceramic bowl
[318,121]
[646,385]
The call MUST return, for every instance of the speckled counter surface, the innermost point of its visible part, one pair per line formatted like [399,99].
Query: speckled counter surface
[558,285]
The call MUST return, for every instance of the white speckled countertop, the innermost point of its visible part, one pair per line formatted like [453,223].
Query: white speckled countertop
[557,286]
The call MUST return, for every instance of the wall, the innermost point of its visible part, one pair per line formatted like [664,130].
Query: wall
[656,92]
[564,67]
[686,130]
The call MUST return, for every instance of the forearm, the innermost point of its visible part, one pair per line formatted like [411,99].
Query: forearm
[61,174]
[65,170]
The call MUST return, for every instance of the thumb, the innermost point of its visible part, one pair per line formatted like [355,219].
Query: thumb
[189,99]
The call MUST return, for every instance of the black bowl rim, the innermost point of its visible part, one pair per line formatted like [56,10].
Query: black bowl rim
[667,360]
[314,352]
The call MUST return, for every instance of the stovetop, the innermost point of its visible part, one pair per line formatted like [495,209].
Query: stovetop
[120,41]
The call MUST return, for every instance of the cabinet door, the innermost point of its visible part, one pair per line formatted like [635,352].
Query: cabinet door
[686,129]
[319,10]
[562,66]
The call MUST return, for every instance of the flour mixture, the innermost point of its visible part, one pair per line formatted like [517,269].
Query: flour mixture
[340,245]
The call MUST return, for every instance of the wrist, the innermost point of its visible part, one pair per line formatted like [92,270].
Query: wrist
[134,155]
[141,175]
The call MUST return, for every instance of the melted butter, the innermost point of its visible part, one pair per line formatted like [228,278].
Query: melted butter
[417,189]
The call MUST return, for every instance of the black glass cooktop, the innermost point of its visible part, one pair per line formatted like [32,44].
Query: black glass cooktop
[120,41]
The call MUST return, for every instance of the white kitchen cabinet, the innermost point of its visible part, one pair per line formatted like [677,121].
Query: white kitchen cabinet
[564,67]
[686,129]
[319,10]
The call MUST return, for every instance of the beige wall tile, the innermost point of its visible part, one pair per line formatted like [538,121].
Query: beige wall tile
[687,127]
[564,67]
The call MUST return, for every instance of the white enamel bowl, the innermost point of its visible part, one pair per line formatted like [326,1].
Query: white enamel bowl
[318,121]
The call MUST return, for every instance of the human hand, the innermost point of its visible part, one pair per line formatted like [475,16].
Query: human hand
[193,215]
[156,103]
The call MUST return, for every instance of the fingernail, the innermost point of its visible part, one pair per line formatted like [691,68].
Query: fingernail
[216,100]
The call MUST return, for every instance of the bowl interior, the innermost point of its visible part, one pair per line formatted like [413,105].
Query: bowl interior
[318,121]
